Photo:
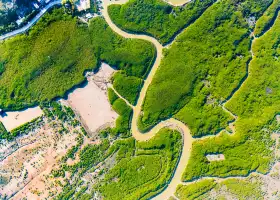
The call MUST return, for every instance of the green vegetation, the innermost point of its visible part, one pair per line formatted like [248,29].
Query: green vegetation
[267,19]
[128,86]
[123,121]
[55,110]
[112,96]
[122,127]
[203,116]
[56,53]
[209,56]
[139,171]
[2,68]
[21,130]
[194,190]
[25,128]
[156,18]
[256,104]
[8,19]
[249,188]
[244,152]
[242,189]
[3,132]
[72,151]
[145,171]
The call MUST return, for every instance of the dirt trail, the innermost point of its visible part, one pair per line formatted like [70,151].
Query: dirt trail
[187,138]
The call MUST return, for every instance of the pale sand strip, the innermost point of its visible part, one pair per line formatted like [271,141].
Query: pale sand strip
[12,120]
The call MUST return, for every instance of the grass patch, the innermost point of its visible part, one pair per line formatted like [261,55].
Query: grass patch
[243,189]
[123,121]
[112,96]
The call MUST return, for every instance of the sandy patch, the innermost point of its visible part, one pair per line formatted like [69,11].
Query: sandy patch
[91,102]
[83,5]
[27,169]
[12,120]
[215,157]
[178,2]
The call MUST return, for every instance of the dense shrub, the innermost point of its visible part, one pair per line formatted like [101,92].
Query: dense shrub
[128,86]
[3,132]
[123,121]
[156,17]
[209,59]
[256,103]
[52,58]
[141,174]
[267,19]
[194,190]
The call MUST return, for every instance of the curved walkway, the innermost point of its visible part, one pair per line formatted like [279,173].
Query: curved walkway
[173,123]
[31,23]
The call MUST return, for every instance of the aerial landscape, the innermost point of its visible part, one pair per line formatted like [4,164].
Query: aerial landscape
[139,99]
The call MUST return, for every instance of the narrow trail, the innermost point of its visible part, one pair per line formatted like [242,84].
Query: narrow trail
[120,96]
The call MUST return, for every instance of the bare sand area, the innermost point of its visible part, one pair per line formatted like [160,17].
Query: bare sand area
[178,2]
[12,120]
[91,103]
[26,171]
[215,157]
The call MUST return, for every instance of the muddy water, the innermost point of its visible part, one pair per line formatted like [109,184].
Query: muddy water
[172,123]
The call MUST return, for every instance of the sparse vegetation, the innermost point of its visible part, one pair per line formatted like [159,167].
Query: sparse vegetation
[142,169]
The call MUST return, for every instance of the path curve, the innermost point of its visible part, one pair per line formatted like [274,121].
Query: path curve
[31,23]
[172,123]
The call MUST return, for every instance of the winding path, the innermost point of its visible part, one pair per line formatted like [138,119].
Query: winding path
[172,123]
[32,22]
[175,124]
[138,135]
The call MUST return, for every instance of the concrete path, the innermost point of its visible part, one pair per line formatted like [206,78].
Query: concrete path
[31,23]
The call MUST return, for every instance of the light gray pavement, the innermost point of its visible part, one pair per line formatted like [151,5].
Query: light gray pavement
[30,23]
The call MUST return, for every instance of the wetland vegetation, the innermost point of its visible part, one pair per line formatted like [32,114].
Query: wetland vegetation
[157,18]
[57,51]
[214,71]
